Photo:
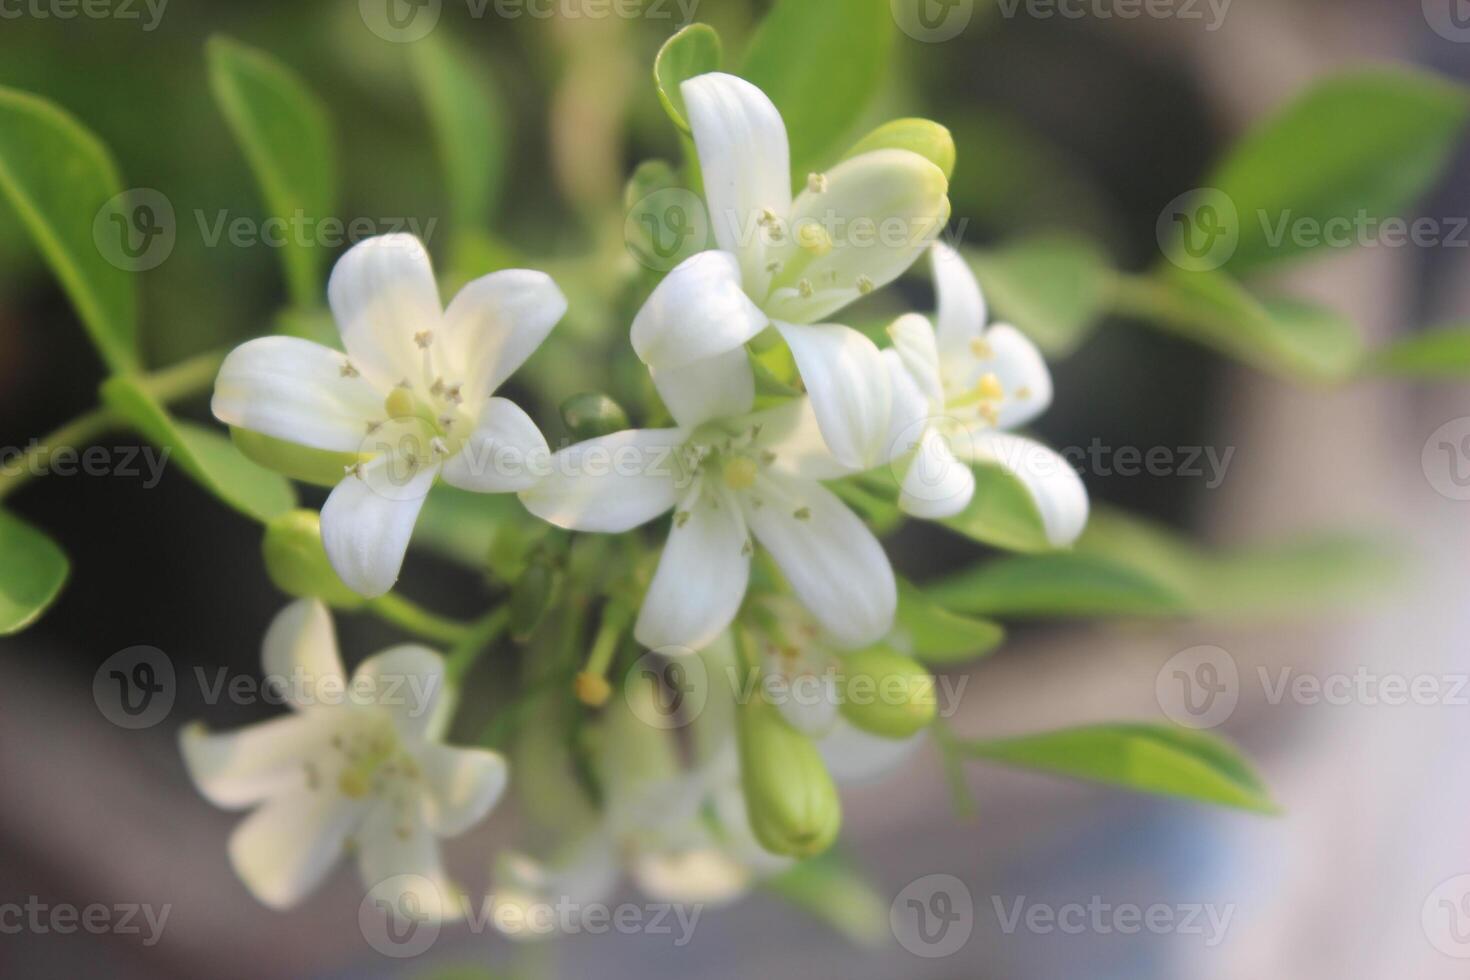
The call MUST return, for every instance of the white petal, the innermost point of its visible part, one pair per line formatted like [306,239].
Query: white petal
[701,575]
[284,849]
[398,859]
[382,293]
[295,390]
[835,565]
[936,484]
[240,768]
[850,390]
[495,323]
[367,522]
[808,698]
[790,432]
[503,455]
[1023,374]
[961,304]
[699,310]
[300,655]
[854,756]
[612,484]
[464,785]
[702,876]
[912,414]
[746,163]
[879,212]
[407,683]
[916,348]
[1058,491]
[718,387]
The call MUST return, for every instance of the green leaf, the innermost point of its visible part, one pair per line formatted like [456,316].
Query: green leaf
[928,139]
[1063,584]
[1052,287]
[693,51]
[937,636]
[469,127]
[62,183]
[208,457]
[1145,758]
[821,62]
[1442,353]
[282,129]
[830,890]
[31,574]
[1369,142]
[1002,513]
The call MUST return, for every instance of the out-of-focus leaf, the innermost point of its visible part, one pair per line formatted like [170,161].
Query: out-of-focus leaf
[1157,759]
[61,181]
[283,131]
[926,138]
[664,223]
[461,525]
[695,50]
[821,62]
[937,636]
[32,572]
[1058,585]
[1365,143]
[208,457]
[830,890]
[1002,513]
[1443,353]
[469,126]
[1052,287]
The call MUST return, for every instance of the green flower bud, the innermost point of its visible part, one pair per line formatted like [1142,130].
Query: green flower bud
[318,466]
[592,414]
[789,795]
[888,694]
[297,563]
[928,139]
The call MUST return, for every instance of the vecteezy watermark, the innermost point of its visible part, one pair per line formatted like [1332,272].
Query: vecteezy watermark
[1446,917]
[1446,459]
[1202,229]
[932,21]
[137,687]
[1201,688]
[149,13]
[40,918]
[832,687]
[1210,13]
[1099,917]
[135,230]
[1450,19]
[403,917]
[667,688]
[406,21]
[666,227]
[933,917]
[122,462]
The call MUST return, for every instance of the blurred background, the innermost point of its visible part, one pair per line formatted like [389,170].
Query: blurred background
[1092,124]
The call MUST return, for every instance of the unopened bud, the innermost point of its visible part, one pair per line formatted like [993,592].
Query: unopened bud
[789,795]
[592,414]
[888,694]
[297,562]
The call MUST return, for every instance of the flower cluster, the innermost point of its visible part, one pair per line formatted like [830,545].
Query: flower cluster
[764,569]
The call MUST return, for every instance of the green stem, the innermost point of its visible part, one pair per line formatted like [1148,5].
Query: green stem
[410,616]
[169,385]
[954,769]
[476,640]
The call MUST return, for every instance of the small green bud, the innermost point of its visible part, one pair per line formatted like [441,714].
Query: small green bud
[297,563]
[318,466]
[928,139]
[789,795]
[888,694]
[592,414]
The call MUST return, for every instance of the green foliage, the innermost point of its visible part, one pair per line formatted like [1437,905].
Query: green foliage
[821,62]
[1369,141]
[693,51]
[62,183]
[282,129]
[1053,288]
[830,890]
[31,574]
[1002,513]
[1058,585]
[208,457]
[469,126]
[938,636]
[1442,353]
[1158,759]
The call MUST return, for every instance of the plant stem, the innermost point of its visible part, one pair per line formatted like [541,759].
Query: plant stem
[477,638]
[408,615]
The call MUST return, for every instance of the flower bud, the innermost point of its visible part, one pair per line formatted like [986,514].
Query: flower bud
[789,795]
[888,694]
[297,562]
[928,139]
[318,466]
[592,414]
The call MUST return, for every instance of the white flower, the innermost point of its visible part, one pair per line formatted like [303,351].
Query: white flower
[964,387]
[355,767]
[789,263]
[729,476]
[412,398]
